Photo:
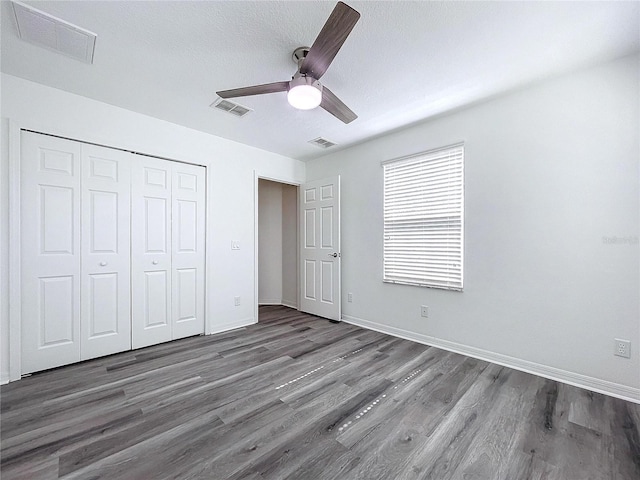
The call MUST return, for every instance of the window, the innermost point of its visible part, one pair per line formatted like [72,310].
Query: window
[423,219]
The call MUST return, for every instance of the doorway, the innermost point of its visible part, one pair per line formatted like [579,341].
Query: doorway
[277,244]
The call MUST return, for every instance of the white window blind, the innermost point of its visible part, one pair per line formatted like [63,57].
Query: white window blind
[423,219]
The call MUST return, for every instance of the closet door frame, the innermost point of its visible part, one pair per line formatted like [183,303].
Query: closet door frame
[14,235]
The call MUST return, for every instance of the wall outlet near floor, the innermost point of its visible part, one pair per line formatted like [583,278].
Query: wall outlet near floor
[622,348]
[236,301]
[235,245]
[349,297]
[424,311]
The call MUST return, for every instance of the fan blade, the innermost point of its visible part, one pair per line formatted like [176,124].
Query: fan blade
[335,107]
[330,39]
[255,90]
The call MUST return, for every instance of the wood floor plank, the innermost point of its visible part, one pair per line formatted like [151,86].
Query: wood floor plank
[452,437]
[142,428]
[403,449]
[16,423]
[410,400]
[142,459]
[319,424]
[553,438]
[495,445]
[41,468]
[298,397]
[50,440]
[625,439]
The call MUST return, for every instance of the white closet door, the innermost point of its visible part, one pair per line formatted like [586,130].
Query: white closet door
[188,219]
[50,245]
[150,251]
[106,291]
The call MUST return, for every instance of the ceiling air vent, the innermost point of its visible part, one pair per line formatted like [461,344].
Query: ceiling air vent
[231,107]
[321,142]
[40,28]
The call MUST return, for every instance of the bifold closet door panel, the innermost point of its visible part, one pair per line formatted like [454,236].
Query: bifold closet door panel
[106,273]
[188,223]
[50,251]
[150,251]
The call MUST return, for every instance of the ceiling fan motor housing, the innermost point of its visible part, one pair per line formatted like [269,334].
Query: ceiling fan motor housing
[301,79]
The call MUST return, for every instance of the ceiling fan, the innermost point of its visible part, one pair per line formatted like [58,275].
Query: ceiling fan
[304,90]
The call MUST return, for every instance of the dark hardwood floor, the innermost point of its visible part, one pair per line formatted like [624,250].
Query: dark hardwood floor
[297,397]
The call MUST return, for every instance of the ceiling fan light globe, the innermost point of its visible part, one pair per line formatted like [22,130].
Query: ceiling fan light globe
[304,97]
[305,92]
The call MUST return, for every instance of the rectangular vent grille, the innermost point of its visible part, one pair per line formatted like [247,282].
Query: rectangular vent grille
[231,107]
[42,29]
[321,142]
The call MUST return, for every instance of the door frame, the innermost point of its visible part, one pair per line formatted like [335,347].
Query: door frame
[287,181]
[14,222]
[15,255]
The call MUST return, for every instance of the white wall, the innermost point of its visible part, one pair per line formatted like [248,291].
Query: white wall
[550,171]
[270,243]
[231,171]
[277,251]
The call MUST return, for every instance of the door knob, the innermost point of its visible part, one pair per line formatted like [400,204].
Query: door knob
[155,262]
[334,254]
[103,264]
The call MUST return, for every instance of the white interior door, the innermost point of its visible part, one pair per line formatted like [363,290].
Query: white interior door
[50,245]
[150,251]
[187,260]
[106,290]
[320,248]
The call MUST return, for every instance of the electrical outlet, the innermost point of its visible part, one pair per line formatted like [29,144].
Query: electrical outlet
[236,301]
[424,311]
[235,245]
[622,348]
[349,297]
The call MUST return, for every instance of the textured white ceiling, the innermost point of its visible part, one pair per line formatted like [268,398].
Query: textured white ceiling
[404,61]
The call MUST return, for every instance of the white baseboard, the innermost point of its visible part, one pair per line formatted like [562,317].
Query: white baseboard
[576,379]
[225,327]
[277,302]
[270,301]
